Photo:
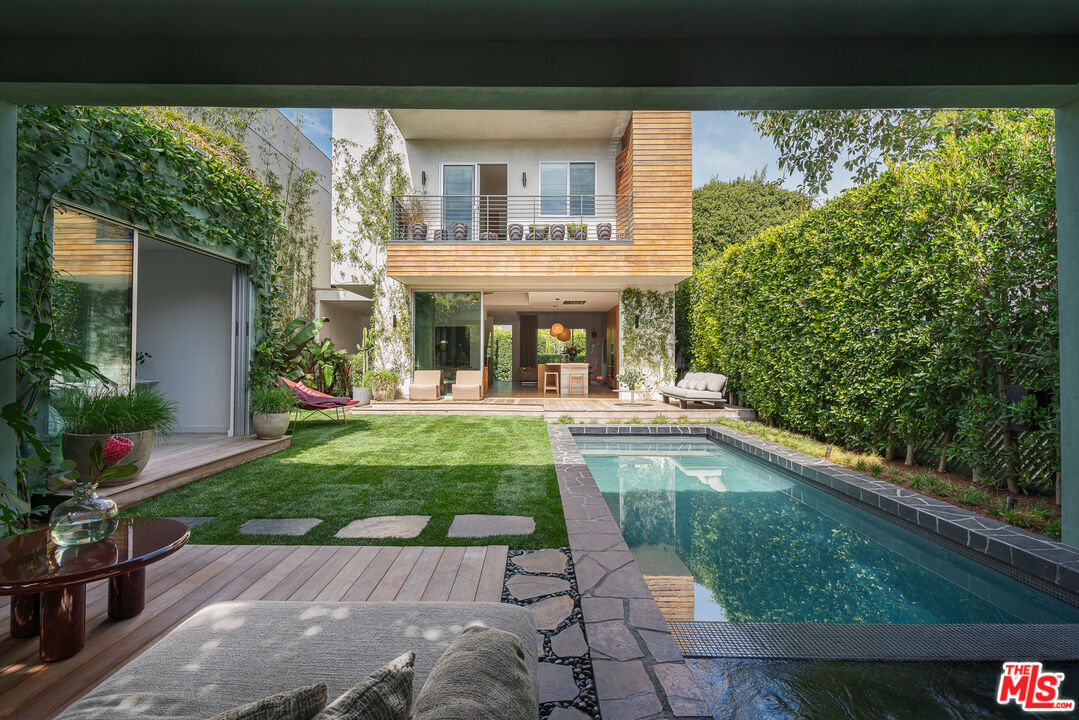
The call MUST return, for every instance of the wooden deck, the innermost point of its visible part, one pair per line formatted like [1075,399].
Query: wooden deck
[553,408]
[199,575]
[170,468]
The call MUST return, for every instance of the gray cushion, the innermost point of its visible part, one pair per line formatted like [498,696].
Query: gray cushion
[228,653]
[385,694]
[483,675]
[714,382]
[299,704]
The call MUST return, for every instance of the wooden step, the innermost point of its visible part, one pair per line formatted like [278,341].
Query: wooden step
[180,467]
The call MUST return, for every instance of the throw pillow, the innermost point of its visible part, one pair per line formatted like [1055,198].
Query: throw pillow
[682,383]
[716,382]
[385,694]
[483,674]
[299,704]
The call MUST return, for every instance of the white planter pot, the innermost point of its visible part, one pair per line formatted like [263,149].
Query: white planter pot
[362,394]
[269,426]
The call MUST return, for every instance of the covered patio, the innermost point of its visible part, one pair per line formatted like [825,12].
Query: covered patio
[675,55]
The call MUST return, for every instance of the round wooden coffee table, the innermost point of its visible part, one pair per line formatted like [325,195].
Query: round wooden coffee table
[48,582]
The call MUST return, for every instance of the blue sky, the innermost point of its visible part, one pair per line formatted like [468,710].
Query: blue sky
[725,146]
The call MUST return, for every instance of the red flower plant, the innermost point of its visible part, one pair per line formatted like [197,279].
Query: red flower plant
[116,449]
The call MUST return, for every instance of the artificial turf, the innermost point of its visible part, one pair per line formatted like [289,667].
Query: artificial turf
[437,465]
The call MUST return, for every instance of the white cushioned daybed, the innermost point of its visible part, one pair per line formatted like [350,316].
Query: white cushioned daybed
[697,387]
[232,653]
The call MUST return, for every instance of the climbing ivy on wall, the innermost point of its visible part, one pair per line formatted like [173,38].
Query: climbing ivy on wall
[144,172]
[919,309]
[364,181]
[647,325]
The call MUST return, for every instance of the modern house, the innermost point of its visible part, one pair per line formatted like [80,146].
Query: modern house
[528,222]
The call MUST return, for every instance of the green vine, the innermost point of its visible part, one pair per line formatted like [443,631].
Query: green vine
[647,324]
[363,188]
[143,171]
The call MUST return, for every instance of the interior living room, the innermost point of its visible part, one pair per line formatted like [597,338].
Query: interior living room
[558,343]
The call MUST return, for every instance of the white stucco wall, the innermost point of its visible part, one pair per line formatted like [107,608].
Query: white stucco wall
[355,126]
[271,142]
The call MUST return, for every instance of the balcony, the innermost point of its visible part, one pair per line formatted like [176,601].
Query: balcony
[511,219]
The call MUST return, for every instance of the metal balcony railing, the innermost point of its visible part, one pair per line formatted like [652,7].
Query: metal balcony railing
[511,218]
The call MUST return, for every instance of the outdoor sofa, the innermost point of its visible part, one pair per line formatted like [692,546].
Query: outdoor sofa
[232,653]
[697,387]
[425,385]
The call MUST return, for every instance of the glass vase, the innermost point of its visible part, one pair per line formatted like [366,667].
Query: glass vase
[84,518]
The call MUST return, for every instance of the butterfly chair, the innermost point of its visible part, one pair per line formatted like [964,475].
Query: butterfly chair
[314,402]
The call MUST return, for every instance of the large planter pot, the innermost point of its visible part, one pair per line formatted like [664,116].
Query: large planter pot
[270,426]
[77,448]
[362,394]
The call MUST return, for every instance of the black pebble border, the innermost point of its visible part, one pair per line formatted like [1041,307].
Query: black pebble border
[586,701]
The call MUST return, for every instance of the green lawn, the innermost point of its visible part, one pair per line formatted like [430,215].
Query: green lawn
[437,465]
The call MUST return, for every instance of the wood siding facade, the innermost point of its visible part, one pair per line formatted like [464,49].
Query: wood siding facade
[654,165]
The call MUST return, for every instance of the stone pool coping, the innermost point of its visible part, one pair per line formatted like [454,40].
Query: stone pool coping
[1031,558]
[639,670]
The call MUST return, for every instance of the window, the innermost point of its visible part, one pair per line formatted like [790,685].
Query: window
[91,296]
[446,329]
[568,188]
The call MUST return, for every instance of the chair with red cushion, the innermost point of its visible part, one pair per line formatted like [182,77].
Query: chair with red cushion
[314,402]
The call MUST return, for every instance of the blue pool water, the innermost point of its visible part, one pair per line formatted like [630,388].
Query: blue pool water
[730,541]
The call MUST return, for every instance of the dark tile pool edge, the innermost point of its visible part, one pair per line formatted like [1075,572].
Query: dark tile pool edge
[639,670]
[1045,564]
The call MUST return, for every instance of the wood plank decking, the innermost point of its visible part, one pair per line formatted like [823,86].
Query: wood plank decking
[552,409]
[199,575]
[170,468]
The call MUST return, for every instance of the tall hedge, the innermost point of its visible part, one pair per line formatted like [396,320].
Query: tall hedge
[916,309]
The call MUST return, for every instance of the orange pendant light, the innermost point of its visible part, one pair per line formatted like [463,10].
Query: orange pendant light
[557,329]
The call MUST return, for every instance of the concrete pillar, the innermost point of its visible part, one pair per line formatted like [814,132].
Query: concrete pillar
[1067,129]
[8,280]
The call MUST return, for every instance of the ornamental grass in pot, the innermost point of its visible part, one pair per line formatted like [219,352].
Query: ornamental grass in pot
[93,416]
[271,407]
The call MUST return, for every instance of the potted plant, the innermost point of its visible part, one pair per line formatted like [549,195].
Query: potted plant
[271,407]
[571,352]
[360,361]
[93,416]
[384,384]
[632,378]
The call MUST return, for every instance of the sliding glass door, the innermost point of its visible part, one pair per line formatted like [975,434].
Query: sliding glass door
[458,183]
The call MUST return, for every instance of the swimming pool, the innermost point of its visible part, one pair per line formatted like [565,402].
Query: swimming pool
[722,536]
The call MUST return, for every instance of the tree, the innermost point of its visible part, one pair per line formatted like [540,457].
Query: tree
[812,141]
[726,212]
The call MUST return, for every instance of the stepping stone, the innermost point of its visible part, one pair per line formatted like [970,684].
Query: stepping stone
[548,613]
[570,642]
[278,526]
[523,587]
[567,714]
[194,522]
[487,525]
[385,526]
[546,561]
[555,682]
